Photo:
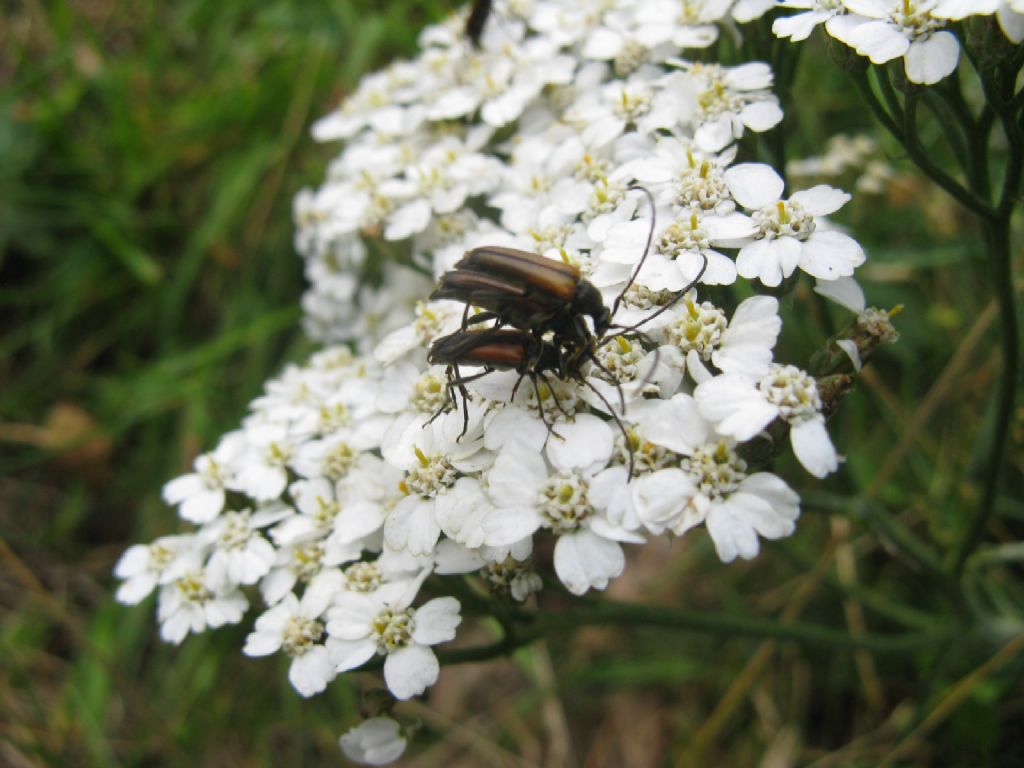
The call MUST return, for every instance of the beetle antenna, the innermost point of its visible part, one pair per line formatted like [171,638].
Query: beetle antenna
[672,302]
[647,248]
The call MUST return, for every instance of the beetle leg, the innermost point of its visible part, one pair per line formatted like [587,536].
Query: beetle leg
[611,379]
[618,423]
[479,317]
[459,382]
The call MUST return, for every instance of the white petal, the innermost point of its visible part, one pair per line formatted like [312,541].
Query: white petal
[784,500]
[507,525]
[813,447]
[408,220]
[312,671]
[830,255]
[849,346]
[135,560]
[1011,21]
[262,643]
[136,589]
[660,496]
[436,621]
[715,135]
[873,9]
[721,270]
[798,27]
[584,560]
[674,424]
[349,654]
[586,442]
[462,511]
[930,60]
[958,9]
[756,260]
[517,423]
[377,741]
[602,44]
[845,291]
[180,488]
[821,200]
[412,525]
[735,405]
[879,42]
[516,475]
[731,533]
[352,616]
[761,115]
[754,185]
[410,670]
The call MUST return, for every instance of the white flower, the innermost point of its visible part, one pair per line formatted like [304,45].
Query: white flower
[528,497]
[327,510]
[681,175]
[378,103]
[604,114]
[377,741]
[193,601]
[240,553]
[907,28]
[723,101]
[201,494]
[680,246]
[294,626]
[742,345]
[710,485]
[143,566]
[432,456]
[263,471]
[787,235]
[363,625]
[447,173]
[432,320]
[741,407]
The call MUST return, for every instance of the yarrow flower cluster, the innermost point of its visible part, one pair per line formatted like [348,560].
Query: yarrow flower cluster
[357,476]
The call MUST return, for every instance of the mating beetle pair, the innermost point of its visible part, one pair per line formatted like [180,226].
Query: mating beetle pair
[540,309]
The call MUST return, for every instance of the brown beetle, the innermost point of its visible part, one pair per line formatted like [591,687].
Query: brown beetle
[527,291]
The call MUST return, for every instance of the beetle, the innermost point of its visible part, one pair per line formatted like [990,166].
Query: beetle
[534,293]
[477,19]
[527,291]
[509,349]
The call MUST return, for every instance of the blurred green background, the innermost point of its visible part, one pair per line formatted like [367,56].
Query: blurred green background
[148,157]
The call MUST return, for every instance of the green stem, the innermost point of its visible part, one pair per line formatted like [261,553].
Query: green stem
[999,93]
[956,126]
[997,238]
[912,143]
[863,85]
[888,92]
[630,615]
[606,613]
